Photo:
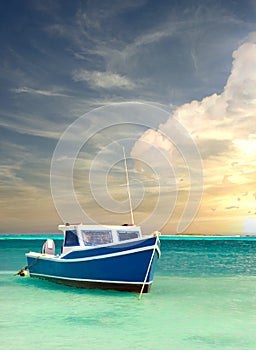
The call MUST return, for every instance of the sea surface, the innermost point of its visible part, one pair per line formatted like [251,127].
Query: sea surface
[203,297]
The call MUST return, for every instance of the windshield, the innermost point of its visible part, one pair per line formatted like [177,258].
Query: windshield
[97,237]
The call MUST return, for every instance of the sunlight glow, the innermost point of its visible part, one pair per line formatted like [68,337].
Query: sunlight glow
[248,147]
[250,225]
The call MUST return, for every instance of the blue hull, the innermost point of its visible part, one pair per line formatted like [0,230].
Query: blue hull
[121,266]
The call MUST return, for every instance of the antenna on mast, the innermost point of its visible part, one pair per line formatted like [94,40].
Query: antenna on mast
[128,187]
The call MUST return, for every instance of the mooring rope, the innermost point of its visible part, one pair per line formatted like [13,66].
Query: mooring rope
[149,266]
[25,268]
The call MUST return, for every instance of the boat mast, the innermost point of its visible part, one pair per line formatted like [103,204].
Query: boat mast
[128,187]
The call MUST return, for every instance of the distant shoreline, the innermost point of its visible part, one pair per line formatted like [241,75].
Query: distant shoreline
[163,237]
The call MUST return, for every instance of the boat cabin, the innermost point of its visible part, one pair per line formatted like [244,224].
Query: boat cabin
[79,236]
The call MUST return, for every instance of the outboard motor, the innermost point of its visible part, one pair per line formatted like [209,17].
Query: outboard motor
[48,247]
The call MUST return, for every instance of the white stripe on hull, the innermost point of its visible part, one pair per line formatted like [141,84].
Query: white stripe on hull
[86,280]
[104,256]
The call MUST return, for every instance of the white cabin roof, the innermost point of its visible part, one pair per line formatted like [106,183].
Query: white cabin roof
[79,236]
[98,227]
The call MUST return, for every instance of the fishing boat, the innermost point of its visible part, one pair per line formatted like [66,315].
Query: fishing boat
[99,256]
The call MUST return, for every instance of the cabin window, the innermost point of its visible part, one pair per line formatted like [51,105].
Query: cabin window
[125,235]
[97,237]
[71,238]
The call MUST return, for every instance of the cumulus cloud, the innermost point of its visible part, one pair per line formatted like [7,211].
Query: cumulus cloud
[223,126]
[229,116]
[103,80]
[157,139]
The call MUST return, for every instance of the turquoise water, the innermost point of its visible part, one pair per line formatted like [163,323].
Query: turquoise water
[203,297]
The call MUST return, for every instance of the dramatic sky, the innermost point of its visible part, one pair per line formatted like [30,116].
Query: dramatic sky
[174,82]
